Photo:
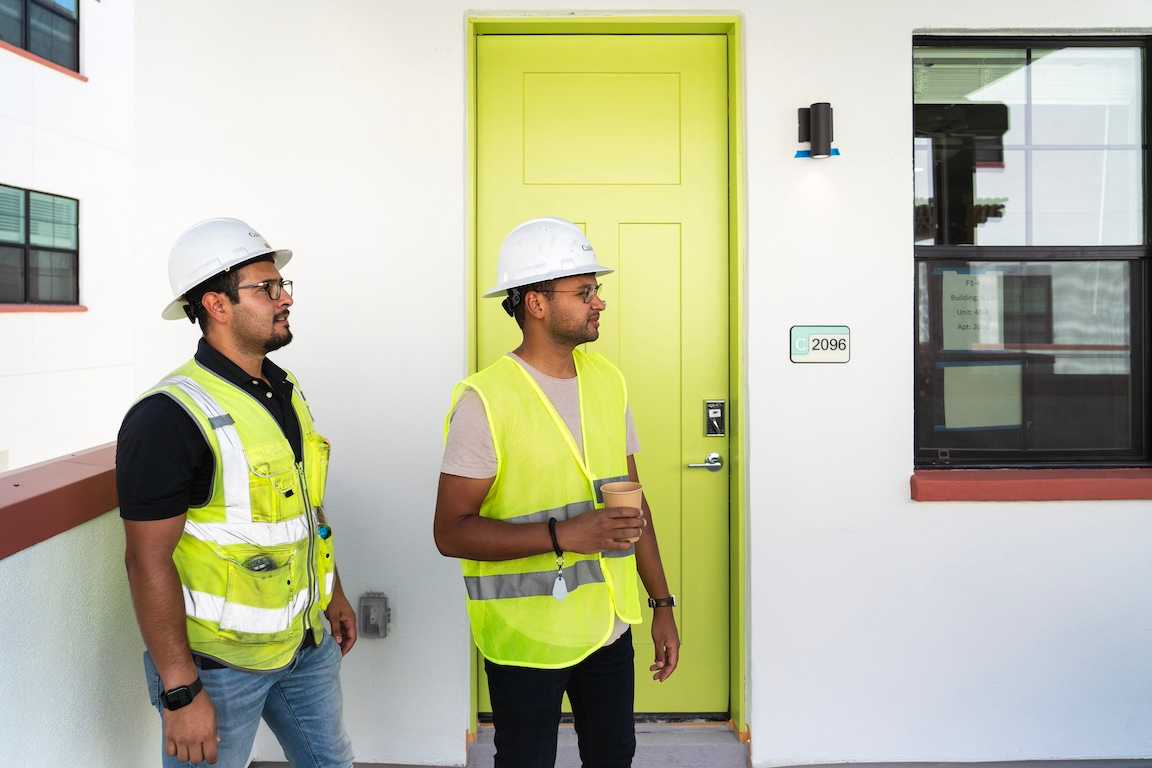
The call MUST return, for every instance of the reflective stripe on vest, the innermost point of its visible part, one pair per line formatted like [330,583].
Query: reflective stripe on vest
[245,618]
[532,584]
[256,534]
[237,499]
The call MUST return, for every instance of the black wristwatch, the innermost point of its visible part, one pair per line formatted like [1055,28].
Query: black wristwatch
[662,602]
[181,695]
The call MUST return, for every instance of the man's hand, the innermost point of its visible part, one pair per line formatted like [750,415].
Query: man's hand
[667,642]
[190,732]
[343,621]
[601,530]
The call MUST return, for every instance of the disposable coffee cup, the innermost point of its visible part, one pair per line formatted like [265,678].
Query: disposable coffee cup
[623,494]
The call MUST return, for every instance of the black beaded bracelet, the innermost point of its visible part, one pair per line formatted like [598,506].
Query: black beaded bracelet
[555,542]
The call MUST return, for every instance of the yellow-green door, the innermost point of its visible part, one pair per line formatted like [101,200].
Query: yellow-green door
[626,135]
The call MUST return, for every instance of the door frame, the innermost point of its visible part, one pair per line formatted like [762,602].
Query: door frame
[732,27]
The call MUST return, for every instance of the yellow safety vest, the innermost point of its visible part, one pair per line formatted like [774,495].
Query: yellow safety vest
[255,571]
[541,474]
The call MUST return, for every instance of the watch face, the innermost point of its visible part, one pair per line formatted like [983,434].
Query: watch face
[178,697]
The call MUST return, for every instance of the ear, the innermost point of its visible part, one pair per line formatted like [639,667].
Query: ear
[534,305]
[217,305]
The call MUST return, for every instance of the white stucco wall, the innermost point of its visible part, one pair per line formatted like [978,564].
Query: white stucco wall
[879,629]
[71,675]
[65,376]
[883,629]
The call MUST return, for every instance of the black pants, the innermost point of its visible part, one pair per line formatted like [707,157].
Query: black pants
[526,709]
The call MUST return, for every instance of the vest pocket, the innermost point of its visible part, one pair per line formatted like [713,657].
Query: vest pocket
[264,596]
[316,451]
[274,494]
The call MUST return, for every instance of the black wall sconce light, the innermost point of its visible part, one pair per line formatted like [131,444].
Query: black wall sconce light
[815,128]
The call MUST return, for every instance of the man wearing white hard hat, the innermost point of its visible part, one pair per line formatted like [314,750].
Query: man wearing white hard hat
[221,477]
[550,571]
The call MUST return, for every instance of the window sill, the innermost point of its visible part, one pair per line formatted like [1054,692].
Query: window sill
[41,60]
[42,308]
[43,500]
[1030,484]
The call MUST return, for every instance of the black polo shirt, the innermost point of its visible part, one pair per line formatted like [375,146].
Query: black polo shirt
[163,463]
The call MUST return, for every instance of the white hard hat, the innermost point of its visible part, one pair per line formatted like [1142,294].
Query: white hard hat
[209,248]
[543,249]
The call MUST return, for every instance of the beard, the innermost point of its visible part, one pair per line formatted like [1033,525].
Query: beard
[574,334]
[252,334]
[276,341]
[278,338]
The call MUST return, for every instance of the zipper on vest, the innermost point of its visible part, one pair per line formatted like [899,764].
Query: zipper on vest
[312,586]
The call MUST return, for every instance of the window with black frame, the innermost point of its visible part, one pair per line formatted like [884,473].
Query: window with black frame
[48,28]
[39,248]
[1030,222]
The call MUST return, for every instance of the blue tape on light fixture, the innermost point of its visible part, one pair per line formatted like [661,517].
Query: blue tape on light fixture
[808,153]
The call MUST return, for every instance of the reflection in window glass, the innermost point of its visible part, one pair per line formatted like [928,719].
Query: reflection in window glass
[924,210]
[953,83]
[1028,146]
[52,37]
[68,6]
[11,215]
[11,275]
[12,22]
[1086,96]
[52,221]
[1027,356]
[1091,316]
[52,277]
[1087,197]
[998,213]
[923,326]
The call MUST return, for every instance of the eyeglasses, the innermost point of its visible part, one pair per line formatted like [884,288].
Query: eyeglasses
[587,293]
[272,287]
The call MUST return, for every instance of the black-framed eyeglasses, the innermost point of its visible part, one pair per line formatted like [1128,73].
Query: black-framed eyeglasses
[587,293]
[271,287]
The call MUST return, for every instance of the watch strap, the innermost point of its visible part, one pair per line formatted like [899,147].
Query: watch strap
[181,695]
[662,602]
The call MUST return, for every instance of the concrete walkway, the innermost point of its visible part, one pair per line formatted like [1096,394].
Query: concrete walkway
[657,746]
[663,746]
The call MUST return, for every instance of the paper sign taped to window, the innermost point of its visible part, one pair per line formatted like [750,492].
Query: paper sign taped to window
[983,395]
[972,307]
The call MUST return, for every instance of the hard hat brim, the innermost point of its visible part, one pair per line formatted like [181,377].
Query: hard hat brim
[175,308]
[501,290]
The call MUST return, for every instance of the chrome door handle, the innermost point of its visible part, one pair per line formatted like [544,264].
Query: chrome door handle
[713,463]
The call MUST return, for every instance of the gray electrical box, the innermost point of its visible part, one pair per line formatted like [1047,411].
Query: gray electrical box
[375,615]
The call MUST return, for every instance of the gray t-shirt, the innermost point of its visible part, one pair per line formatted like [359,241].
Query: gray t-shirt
[469,452]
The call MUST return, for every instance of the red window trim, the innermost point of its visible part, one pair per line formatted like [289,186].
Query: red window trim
[43,500]
[14,308]
[1030,484]
[41,60]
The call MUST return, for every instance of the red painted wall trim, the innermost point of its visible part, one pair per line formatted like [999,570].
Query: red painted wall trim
[42,500]
[41,60]
[42,308]
[1031,484]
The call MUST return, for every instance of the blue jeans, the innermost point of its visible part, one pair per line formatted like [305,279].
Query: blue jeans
[301,703]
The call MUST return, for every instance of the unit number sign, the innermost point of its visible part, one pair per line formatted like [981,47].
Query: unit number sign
[820,344]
